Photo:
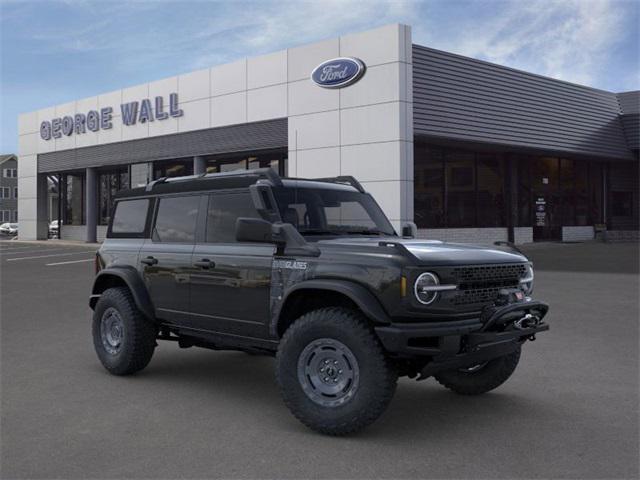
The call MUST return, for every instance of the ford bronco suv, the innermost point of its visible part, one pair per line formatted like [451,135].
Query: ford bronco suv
[312,272]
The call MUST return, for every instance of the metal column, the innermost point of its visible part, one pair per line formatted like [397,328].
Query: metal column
[199,165]
[91,205]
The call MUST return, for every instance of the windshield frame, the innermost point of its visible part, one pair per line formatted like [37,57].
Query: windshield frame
[380,224]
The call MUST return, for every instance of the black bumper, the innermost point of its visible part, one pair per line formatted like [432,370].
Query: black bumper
[461,343]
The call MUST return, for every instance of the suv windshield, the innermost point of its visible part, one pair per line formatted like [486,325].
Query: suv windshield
[331,211]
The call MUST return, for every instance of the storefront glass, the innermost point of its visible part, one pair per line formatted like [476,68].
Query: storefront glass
[243,161]
[109,183]
[462,188]
[73,191]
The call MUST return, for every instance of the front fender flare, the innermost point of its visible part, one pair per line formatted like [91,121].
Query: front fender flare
[363,298]
[132,280]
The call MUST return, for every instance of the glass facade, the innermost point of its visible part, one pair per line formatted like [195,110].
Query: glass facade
[173,168]
[73,200]
[247,161]
[109,183]
[457,188]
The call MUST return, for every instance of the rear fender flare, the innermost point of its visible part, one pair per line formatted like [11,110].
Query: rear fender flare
[132,280]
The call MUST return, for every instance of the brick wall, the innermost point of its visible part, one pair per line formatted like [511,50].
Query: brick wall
[577,234]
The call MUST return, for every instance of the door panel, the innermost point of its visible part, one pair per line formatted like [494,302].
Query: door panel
[165,259]
[230,289]
[168,280]
[232,294]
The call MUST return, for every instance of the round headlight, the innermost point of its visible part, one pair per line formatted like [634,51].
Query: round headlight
[423,288]
[526,282]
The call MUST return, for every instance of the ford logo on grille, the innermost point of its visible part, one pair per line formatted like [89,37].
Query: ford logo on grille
[338,73]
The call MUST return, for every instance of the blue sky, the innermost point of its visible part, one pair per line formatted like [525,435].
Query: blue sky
[57,51]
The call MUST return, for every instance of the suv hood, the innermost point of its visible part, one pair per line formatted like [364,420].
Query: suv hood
[432,252]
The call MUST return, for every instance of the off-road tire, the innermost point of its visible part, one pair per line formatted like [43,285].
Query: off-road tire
[139,334]
[377,375]
[487,378]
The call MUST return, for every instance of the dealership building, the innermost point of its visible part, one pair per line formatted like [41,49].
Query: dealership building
[468,150]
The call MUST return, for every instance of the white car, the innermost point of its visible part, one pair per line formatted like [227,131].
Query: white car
[54,229]
[9,228]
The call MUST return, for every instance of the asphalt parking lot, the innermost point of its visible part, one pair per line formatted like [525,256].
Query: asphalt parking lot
[569,411]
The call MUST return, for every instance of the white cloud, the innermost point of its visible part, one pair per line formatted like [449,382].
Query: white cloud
[569,40]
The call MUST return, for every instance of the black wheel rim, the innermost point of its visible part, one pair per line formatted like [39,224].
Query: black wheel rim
[328,372]
[111,331]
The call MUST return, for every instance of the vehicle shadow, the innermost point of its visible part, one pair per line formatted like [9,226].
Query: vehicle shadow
[419,410]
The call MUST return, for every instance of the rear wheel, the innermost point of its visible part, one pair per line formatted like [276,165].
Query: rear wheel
[333,373]
[481,378]
[123,339]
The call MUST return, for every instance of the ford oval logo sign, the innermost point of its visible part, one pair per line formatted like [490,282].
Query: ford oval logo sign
[338,73]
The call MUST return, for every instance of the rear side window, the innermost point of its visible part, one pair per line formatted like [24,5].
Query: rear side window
[176,219]
[130,216]
[224,210]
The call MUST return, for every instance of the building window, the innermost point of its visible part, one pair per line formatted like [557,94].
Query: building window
[230,163]
[10,173]
[457,188]
[6,192]
[73,193]
[173,168]
[429,187]
[623,211]
[15,215]
[110,183]
[6,215]
[15,192]
[621,204]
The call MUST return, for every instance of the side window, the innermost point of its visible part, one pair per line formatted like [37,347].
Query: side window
[176,219]
[224,210]
[130,216]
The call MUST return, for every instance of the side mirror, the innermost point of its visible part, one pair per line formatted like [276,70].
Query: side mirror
[254,230]
[410,230]
[283,235]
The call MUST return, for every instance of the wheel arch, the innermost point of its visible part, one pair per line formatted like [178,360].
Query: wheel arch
[312,294]
[123,277]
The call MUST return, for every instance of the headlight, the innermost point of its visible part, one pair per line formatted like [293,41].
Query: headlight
[424,288]
[526,282]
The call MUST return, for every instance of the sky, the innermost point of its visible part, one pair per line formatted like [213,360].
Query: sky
[55,51]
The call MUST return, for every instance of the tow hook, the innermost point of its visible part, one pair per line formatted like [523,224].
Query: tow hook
[527,321]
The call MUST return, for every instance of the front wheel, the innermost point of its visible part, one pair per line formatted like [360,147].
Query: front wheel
[123,339]
[332,372]
[481,378]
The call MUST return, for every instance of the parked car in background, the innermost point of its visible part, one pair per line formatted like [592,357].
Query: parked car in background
[54,229]
[9,229]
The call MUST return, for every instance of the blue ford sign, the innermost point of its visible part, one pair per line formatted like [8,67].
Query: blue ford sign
[338,72]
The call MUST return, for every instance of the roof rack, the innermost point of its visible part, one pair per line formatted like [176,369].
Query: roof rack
[345,179]
[265,173]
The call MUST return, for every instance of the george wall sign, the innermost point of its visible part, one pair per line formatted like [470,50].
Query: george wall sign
[338,72]
[94,120]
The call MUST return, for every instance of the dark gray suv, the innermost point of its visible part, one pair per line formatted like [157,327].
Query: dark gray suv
[310,271]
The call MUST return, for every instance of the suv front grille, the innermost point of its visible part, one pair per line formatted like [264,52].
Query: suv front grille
[480,284]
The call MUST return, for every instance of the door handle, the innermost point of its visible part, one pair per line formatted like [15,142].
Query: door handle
[149,261]
[204,263]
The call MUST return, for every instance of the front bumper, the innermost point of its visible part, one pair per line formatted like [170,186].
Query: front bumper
[462,343]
